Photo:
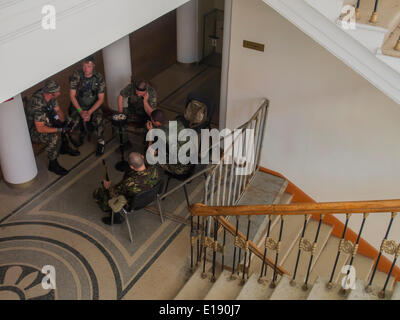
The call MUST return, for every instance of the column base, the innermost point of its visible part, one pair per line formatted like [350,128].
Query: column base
[20,186]
[187,65]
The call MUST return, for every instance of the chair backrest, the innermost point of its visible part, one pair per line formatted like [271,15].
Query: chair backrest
[143,199]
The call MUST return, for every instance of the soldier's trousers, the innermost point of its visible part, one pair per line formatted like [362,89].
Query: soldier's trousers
[52,142]
[96,121]
[177,169]
[101,196]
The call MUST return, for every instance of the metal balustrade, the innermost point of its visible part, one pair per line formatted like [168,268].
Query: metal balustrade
[320,210]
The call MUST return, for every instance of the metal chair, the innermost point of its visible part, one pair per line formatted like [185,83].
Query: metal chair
[140,201]
[195,169]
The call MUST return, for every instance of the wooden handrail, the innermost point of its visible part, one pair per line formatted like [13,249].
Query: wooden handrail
[325,208]
[252,247]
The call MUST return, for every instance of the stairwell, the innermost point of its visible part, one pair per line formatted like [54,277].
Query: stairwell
[268,189]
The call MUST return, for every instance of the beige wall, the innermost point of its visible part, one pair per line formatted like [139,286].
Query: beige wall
[329,130]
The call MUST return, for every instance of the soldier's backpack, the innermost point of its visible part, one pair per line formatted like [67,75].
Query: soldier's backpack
[195,113]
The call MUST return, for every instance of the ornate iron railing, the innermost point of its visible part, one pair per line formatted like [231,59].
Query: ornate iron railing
[319,210]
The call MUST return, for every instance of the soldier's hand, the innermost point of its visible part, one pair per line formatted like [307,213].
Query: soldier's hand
[146,97]
[149,125]
[84,115]
[106,184]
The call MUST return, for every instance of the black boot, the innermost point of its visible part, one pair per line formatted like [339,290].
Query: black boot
[77,143]
[55,167]
[118,219]
[66,149]
[100,148]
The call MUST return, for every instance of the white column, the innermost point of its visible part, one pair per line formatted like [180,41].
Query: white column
[117,68]
[225,64]
[187,32]
[17,160]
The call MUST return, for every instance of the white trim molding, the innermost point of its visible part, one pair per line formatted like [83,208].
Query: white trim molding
[340,44]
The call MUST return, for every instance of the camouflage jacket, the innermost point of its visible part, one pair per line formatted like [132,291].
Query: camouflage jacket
[38,110]
[135,182]
[87,89]
[136,102]
[174,143]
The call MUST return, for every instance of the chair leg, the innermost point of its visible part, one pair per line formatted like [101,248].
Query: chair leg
[160,209]
[186,196]
[129,226]
[166,186]
[112,217]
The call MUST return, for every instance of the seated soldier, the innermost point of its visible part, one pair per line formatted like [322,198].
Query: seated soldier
[47,124]
[137,178]
[159,121]
[142,99]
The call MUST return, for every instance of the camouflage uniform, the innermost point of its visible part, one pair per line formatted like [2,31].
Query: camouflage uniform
[87,90]
[178,168]
[135,110]
[133,182]
[37,111]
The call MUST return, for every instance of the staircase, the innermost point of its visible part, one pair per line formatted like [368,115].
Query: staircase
[368,48]
[380,36]
[225,287]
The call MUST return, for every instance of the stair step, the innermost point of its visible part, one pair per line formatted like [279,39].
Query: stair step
[396,292]
[291,232]
[324,265]
[359,292]
[224,288]
[380,279]
[285,291]
[286,198]
[253,290]
[319,291]
[290,263]
[363,266]
[196,287]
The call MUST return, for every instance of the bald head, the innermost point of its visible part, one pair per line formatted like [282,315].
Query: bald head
[136,161]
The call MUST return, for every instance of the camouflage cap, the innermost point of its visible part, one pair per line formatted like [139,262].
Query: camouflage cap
[51,86]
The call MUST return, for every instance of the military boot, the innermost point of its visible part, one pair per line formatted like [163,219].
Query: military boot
[66,149]
[118,219]
[100,148]
[55,167]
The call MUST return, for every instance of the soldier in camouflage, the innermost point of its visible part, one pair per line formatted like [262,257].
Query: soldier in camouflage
[159,121]
[87,89]
[137,178]
[48,125]
[142,99]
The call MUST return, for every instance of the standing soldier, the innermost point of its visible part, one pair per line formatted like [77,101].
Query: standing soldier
[142,99]
[87,97]
[46,121]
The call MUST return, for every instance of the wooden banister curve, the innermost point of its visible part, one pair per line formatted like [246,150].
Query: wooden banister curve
[324,208]
[252,247]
